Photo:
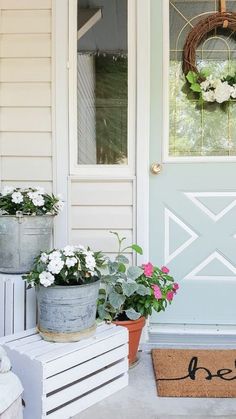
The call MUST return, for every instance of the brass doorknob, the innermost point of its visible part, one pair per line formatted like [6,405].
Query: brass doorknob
[156,168]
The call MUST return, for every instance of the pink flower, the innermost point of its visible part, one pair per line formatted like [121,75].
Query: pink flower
[175,287]
[170,295]
[148,269]
[157,292]
[165,270]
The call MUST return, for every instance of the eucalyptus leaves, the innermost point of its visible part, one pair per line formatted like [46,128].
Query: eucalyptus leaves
[209,89]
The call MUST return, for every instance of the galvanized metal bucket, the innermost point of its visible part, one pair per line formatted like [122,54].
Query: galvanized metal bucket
[22,238]
[67,313]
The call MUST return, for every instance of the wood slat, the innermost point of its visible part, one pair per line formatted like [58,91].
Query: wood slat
[100,239]
[25,119]
[90,399]
[53,367]
[26,144]
[26,168]
[19,305]
[9,311]
[102,193]
[86,385]
[25,21]
[103,217]
[25,4]
[25,45]
[85,369]
[25,70]
[2,307]
[25,94]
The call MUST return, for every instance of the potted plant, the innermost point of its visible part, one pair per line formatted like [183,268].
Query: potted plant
[26,223]
[67,282]
[131,293]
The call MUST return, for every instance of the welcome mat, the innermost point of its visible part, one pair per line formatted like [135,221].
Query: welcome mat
[195,373]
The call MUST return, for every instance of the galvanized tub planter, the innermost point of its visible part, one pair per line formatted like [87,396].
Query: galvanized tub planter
[67,313]
[22,238]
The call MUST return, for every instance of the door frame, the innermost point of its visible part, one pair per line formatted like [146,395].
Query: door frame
[143,124]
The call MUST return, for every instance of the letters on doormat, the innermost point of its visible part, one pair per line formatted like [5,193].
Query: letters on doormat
[195,373]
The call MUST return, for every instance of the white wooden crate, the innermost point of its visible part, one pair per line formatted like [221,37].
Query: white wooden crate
[62,379]
[17,305]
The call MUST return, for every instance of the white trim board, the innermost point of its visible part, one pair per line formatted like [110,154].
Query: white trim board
[143,124]
[60,115]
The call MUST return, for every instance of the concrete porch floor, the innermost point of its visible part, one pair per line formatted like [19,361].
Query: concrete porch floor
[139,401]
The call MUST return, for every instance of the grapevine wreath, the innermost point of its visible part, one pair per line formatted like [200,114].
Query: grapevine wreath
[207,88]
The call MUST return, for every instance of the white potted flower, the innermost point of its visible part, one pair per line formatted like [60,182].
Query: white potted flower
[26,224]
[67,283]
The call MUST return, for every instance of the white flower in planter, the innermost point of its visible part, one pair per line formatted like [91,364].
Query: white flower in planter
[55,266]
[17,197]
[69,250]
[46,279]
[7,190]
[55,255]
[44,257]
[70,262]
[90,261]
[40,190]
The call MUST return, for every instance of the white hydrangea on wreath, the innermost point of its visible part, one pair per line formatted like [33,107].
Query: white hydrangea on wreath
[206,88]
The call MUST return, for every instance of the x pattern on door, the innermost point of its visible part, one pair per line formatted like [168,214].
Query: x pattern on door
[215,216]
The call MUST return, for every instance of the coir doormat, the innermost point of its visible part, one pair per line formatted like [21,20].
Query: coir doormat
[195,373]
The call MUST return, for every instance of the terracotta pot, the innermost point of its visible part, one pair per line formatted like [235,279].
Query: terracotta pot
[135,328]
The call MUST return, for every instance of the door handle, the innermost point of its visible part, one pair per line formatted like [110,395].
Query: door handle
[156,168]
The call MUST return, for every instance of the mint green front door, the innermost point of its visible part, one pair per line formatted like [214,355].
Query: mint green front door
[193,199]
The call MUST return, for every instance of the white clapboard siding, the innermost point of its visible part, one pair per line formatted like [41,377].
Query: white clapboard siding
[100,239]
[23,184]
[25,21]
[25,69]
[25,4]
[21,45]
[24,168]
[17,305]
[26,144]
[61,380]
[105,217]
[25,94]
[102,193]
[25,119]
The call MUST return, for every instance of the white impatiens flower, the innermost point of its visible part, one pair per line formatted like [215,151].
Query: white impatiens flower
[7,190]
[205,85]
[209,96]
[69,250]
[90,261]
[17,197]
[44,257]
[55,266]
[36,198]
[46,279]
[55,255]
[70,262]
[222,91]
[38,201]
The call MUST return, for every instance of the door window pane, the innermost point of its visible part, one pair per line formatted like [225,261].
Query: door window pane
[209,129]
[102,83]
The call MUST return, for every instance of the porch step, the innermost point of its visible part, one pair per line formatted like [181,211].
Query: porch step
[190,336]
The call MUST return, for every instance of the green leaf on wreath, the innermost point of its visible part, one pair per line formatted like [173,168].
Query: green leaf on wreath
[195,87]
[192,77]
